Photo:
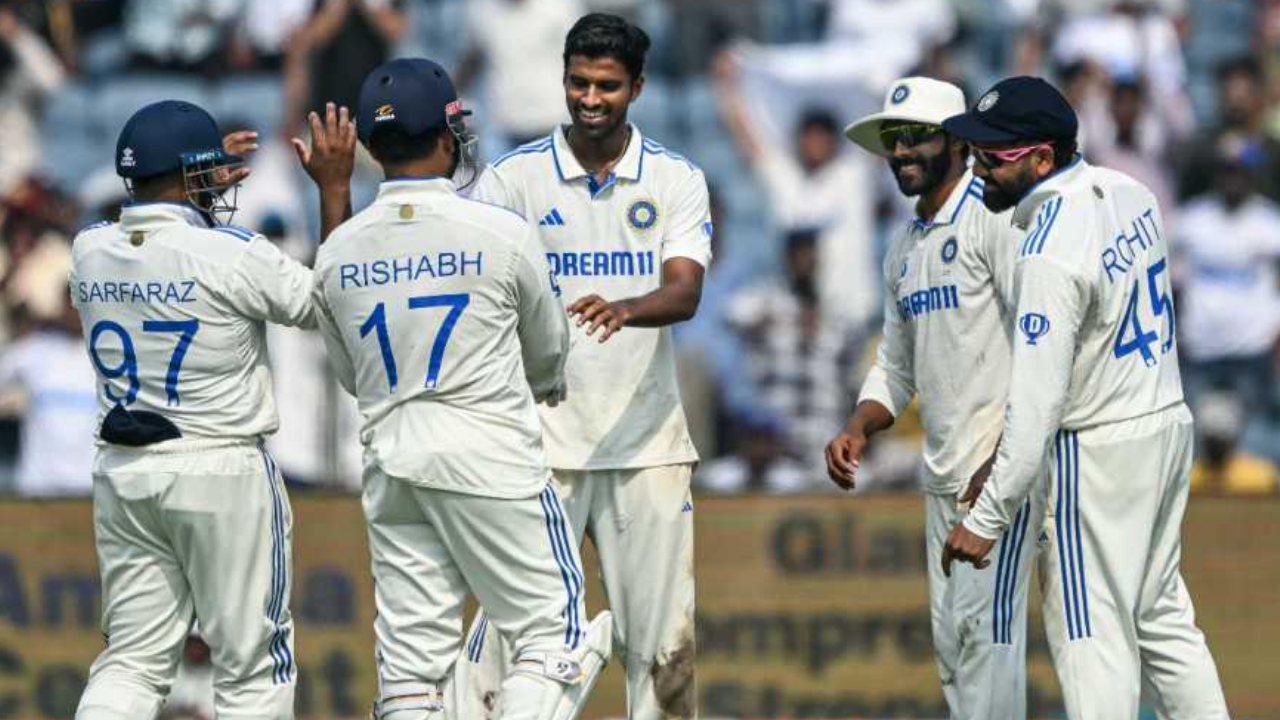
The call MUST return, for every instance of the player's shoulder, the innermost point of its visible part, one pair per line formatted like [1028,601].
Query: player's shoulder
[94,233]
[497,220]
[536,154]
[671,164]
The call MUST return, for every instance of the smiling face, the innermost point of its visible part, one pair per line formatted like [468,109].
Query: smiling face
[598,92]
[920,156]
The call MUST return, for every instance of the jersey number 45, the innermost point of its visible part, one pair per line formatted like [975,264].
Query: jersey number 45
[1132,336]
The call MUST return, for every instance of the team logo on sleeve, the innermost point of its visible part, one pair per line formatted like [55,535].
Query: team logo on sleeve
[949,250]
[642,215]
[1034,326]
[900,94]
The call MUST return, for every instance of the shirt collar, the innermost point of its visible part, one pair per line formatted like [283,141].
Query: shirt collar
[403,189]
[1048,186]
[145,216]
[567,165]
[968,189]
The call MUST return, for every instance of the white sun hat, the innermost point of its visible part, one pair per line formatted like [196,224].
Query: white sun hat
[912,99]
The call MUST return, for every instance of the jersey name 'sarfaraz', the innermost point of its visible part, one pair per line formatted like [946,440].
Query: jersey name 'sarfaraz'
[182,291]
[409,268]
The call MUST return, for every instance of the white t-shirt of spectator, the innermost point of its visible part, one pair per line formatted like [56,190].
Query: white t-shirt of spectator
[1228,265]
[522,43]
[836,199]
[60,423]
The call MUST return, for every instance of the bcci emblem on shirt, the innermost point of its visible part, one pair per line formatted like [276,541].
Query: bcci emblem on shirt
[1034,326]
[642,215]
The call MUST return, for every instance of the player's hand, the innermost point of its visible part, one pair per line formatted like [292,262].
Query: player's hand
[965,546]
[843,455]
[595,312]
[330,158]
[240,143]
[977,482]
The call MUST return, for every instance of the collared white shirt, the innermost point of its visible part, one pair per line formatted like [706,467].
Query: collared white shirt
[440,317]
[174,315]
[1095,331]
[1227,269]
[623,408]
[947,333]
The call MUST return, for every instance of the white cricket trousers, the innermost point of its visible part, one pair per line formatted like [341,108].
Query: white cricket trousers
[432,548]
[641,524]
[192,535]
[1117,613]
[979,617]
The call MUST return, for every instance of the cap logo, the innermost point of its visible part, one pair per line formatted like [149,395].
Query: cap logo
[384,112]
[127,159]
[453,108]
[900,94]
[988,101]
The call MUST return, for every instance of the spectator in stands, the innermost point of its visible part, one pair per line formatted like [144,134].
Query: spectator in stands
[762,464]
[264,32]
[179,35]
[55,391]
[814,186]
[1228,278]
[1133,142]
[1221,468]
[517,44]
[799,357]
[330,56]
[1242,113]
[29,73]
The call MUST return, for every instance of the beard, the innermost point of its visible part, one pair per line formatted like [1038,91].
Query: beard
[1000,196]
[931,171]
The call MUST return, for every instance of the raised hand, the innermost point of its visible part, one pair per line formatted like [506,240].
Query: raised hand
[330,158]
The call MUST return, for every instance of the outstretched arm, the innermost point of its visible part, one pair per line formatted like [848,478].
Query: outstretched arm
[329,161]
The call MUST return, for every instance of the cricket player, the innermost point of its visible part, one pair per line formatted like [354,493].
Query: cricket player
[626,226]
[1095,407]
[947,343]
[440,317]
[190,512]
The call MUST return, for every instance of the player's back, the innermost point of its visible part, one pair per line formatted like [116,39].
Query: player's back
[1105,228]
[173,314]
[435,308]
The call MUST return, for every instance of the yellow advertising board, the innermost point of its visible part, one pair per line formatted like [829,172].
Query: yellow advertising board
[808,607]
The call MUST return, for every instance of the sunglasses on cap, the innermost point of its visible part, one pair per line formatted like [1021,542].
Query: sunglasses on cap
[996,158]
[909,134]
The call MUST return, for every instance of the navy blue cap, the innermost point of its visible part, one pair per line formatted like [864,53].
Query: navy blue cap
[412,95]
[1016,109]
[164,136]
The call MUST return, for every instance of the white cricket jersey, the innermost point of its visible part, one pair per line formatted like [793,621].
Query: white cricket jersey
[947,334]
[611,239]
[440,317]
[174,315]
[1094,339]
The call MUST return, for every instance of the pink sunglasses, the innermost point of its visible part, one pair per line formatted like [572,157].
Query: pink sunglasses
[1004,156]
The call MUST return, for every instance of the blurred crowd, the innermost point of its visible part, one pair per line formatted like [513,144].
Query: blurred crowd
[1182,94]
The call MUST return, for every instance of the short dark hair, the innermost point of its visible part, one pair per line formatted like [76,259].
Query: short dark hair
[1064,151]
[1245,65]
[818,118]
[394,147]
[599,35]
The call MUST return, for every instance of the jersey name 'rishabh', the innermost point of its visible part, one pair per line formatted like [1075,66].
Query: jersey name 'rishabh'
[439,317]
[611,238]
